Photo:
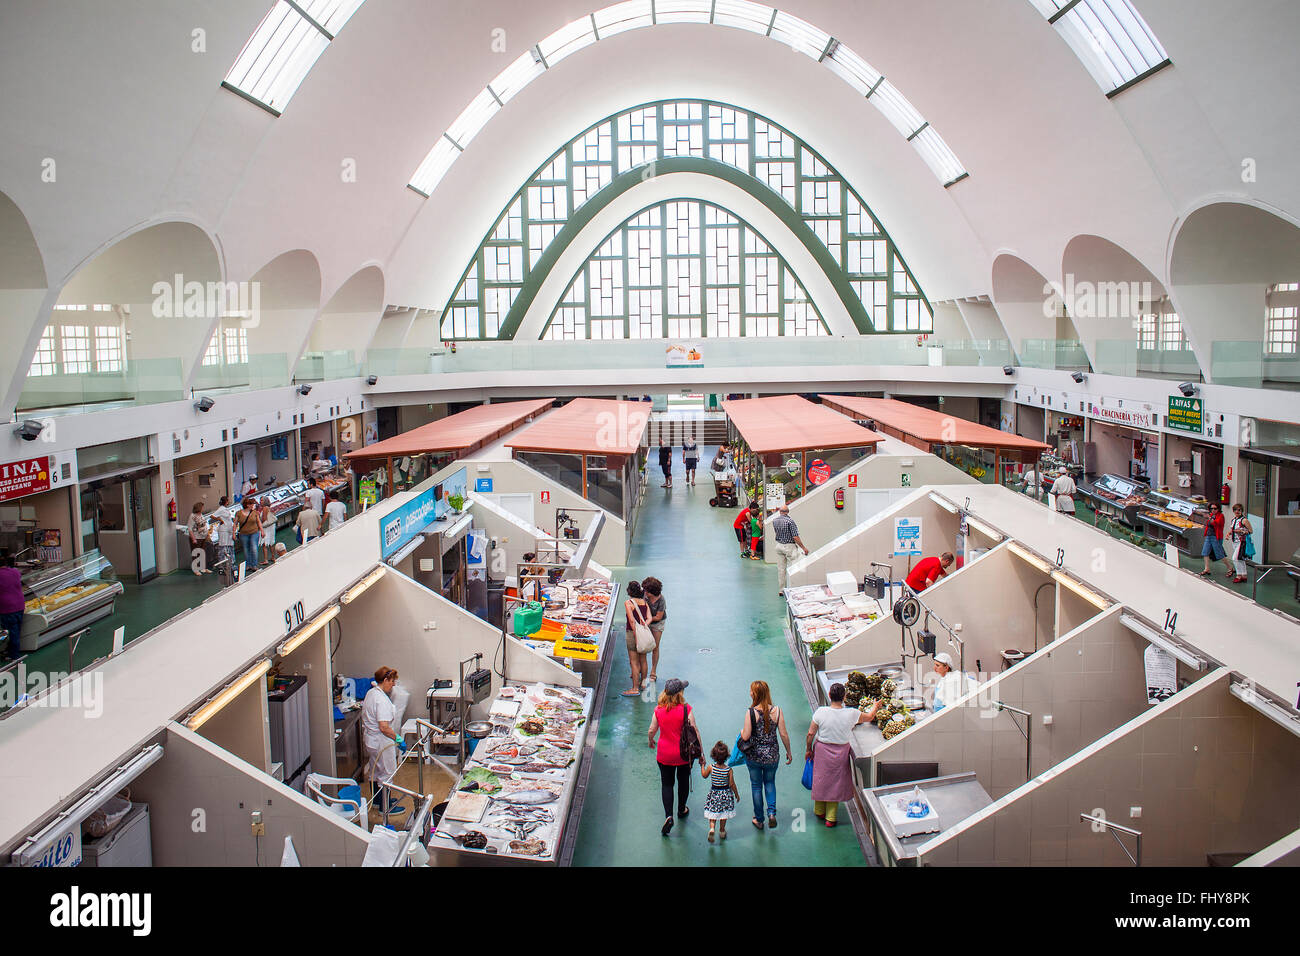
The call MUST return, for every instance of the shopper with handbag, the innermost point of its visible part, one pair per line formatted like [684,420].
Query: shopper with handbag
[640,639]
[764,721]
[1243,546]
[677,749]
[829,749]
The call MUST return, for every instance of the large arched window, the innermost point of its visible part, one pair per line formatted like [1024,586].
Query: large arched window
[684,269]
[852,242]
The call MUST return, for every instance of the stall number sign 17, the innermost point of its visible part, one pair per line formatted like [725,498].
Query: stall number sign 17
[293,617]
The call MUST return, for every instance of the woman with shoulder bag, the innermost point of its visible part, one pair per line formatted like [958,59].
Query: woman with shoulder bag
[640,639]
[1243,547]
[764,721]
[678,747]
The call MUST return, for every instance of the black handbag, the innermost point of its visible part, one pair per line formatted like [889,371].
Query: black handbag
[746,747]
[691,749]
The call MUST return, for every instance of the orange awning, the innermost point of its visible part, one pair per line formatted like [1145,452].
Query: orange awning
[923,427]
[791,423]
[591,426]
[457,434]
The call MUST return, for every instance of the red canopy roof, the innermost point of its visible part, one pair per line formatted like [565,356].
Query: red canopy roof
[592,426]
[921,426]
[791,423]
[457,434]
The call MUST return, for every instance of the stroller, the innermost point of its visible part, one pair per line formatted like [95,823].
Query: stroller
[724,490]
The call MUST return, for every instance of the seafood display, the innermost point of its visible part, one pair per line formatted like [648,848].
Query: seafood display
[526,775]
[579,612]
[816,614]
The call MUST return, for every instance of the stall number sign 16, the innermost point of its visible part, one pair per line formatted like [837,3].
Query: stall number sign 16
[293,617]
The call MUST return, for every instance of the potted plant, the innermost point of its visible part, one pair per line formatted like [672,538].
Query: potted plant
[817,653]
[457,502]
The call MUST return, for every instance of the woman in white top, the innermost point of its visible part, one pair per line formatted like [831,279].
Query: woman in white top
[827,746]
[380,739]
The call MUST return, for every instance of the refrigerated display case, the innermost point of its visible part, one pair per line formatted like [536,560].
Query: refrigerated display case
[1116,497]
[1173,519]
[66,598]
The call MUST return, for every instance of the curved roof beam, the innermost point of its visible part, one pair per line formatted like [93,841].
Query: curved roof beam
[708,328]
[754,18]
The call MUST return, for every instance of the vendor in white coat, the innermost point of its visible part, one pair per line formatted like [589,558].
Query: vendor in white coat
[951,684]
[1063,490]
[381,739]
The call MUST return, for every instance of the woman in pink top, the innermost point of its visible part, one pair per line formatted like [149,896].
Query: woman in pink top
[670,715]
[12,605]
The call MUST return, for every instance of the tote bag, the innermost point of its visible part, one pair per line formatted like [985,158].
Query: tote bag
[645,639]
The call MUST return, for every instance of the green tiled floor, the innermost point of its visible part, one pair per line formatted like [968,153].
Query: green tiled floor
[725,629]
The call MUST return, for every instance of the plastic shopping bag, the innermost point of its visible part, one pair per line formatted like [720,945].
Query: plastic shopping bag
[807,774]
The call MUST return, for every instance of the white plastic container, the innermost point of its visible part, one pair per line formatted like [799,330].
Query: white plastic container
[841,582]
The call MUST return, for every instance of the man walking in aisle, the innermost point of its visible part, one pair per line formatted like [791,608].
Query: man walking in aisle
[788,545]
[666,462]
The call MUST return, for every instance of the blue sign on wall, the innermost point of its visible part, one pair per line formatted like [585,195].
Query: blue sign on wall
[403,524]
[483,485]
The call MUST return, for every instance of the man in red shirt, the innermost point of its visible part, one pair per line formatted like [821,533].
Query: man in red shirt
[929,570]
[741,525]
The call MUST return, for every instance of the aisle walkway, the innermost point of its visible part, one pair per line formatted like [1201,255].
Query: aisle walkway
[724,630]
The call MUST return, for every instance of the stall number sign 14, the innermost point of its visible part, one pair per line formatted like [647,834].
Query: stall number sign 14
[293,617]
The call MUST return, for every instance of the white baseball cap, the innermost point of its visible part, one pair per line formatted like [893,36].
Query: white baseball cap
[943,658]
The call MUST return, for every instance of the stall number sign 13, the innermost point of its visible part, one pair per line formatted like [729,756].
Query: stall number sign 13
[293,617]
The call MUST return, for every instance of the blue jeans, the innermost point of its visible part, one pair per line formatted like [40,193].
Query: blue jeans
[762,777]
[13,623]
[248,542]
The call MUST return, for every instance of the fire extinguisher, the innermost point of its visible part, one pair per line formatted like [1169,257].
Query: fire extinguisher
[171,510]
[839,499]
[1225,495]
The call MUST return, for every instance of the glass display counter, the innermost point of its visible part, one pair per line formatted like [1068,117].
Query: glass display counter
[67,597]
[1175,520]
[1116,497]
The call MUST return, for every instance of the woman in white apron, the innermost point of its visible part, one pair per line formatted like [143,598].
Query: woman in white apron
[380,738]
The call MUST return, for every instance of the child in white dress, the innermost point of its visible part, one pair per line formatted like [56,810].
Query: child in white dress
[720,804]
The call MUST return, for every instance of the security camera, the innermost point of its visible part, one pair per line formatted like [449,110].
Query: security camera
[1008,370]
[29,430]
[372,379]
[1078,377]
[304,389]
[1188,389]
[204,404]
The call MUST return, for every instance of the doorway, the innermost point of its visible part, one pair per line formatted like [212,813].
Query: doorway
[117,518]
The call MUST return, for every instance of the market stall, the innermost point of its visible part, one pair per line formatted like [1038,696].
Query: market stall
[594,448]
[1173,519]
[573,621]
[784,446]
[1129,451]
[987,454]
[515,800]
[67,597]
[395,463]
[1117,498]
[1065,433]
[272,458]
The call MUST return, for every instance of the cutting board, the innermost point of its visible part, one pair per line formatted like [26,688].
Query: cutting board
[466,807]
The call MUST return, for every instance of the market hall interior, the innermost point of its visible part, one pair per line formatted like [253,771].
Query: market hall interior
[344,338]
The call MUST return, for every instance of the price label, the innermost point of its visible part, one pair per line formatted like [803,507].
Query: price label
[577,650]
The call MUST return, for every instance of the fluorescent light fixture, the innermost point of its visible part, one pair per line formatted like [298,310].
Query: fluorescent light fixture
[983,529]
[229,693]
[1089,595]
[947,506]
[459,526]
[1162,641]
[310,628]
[354,592]
[1279,715]
[1019,551]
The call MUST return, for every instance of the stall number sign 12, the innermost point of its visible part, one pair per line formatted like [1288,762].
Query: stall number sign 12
[293,617]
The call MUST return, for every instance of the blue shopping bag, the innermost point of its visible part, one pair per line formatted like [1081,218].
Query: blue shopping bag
[737,755]
[807,774]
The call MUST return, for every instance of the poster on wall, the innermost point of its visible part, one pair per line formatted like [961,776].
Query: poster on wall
[774,494]
[683,355]
[370,427]
[818,472]
[369,491]
[907,537]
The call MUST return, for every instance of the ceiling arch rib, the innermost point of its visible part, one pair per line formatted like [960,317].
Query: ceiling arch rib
[754,18]
[685,269]
[691,135]
[22,290]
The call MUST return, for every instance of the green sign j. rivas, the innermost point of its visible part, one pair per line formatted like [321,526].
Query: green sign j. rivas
[1186,414]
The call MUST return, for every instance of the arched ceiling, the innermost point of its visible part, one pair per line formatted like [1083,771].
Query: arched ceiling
[134,127]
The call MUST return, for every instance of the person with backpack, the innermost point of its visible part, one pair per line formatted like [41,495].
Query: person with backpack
[764,721]
[677,749]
